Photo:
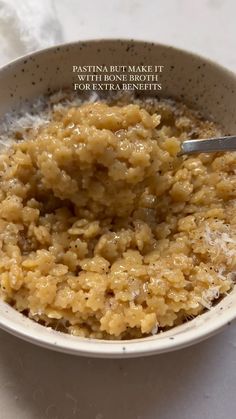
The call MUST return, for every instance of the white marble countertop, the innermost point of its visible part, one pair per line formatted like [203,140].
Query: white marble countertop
[193,383]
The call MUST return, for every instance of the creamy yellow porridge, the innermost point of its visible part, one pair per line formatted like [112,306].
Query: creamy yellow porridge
[104,231]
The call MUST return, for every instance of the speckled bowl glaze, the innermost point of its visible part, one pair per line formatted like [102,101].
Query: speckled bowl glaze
[197,81]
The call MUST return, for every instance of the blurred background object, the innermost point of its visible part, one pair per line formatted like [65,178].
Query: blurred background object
[26,26]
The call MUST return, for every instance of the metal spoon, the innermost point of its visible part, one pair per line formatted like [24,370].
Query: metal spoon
[208,145]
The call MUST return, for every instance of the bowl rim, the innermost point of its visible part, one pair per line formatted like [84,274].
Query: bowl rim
[151,43]
[48,338]
[45,337]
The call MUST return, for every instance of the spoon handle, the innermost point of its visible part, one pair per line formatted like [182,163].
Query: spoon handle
[209,145]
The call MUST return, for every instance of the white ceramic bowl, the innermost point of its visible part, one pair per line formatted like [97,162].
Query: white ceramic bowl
[188,77]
